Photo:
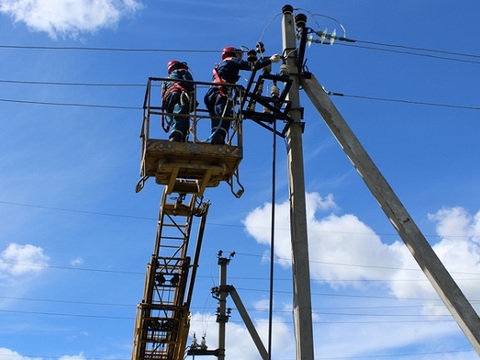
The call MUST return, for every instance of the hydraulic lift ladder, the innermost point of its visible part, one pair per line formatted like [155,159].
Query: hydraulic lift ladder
[162,323]
[185,170]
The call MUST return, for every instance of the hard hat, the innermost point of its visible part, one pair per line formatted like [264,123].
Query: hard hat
[175,64]
[231,51]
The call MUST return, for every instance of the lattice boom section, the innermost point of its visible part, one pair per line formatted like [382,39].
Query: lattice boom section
[163,320]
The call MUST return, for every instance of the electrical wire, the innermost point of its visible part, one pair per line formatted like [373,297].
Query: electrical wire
[415,54]
[118,107]
[350,41]
[70,83]
[136,108]
[272,240]
[268,25]
[124,272]
[84,48]
[398,318]
[356,357]
[273,202]
[68,314]
[204,309]
[418,49]
[209,223]
[405,101]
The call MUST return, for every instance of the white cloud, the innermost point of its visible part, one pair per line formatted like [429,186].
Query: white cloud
[337,243]
[346,253]
[7,354]
[344,250]
[19,260]
[77,261]
[456,222]
[256,221]
[80,356]
[68,17]
[458,249]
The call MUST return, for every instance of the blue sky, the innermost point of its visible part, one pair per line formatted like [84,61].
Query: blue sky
[75,237]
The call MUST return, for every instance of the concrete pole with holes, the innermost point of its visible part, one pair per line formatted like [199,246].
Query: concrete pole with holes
[302,307]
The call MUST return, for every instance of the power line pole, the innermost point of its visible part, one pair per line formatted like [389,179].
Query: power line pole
[302,307]
[439,277]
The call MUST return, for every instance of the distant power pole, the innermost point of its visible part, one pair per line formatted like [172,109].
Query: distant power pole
[302,305]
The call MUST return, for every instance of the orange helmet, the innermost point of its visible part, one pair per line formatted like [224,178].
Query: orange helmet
[175,64]
[231,51]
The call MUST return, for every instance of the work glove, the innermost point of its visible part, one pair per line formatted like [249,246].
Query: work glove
[275,58]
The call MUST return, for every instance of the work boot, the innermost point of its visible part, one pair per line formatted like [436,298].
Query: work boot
[218,139]
[177,136]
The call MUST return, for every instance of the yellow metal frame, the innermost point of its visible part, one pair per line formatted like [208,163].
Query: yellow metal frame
[193,166]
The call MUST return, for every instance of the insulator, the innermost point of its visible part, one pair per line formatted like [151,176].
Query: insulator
[275,91]
[300,20]
[284,70]
[251,56]
[260,48]
[323,35]
[287,9]
[333,36]
[310,39]
[260,88]
[194,340]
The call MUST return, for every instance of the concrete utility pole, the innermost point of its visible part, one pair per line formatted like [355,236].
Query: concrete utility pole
[439,277]
[302,306]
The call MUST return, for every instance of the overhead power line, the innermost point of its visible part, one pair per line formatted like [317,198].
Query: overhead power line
[152,218]
[419,49]
[376,46]
[422,54]
[412,102]
[403,318]
[72,104]
[121,107]
[254,309]
[70,83]
[84,48]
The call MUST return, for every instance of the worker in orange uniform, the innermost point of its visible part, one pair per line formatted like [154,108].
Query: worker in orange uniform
[178,98]
[217,97]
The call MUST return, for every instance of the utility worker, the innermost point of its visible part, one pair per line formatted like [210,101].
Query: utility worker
[217,97]
[178,98]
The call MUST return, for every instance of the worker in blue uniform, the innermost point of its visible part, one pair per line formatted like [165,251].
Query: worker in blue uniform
[218,98]
[178,98]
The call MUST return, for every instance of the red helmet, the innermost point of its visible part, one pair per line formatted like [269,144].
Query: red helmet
[175,64]
[231,51]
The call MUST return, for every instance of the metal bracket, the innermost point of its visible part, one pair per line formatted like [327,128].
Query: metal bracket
[141,183]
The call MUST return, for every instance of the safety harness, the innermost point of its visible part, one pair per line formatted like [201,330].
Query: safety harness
[185,97]
[218,80]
